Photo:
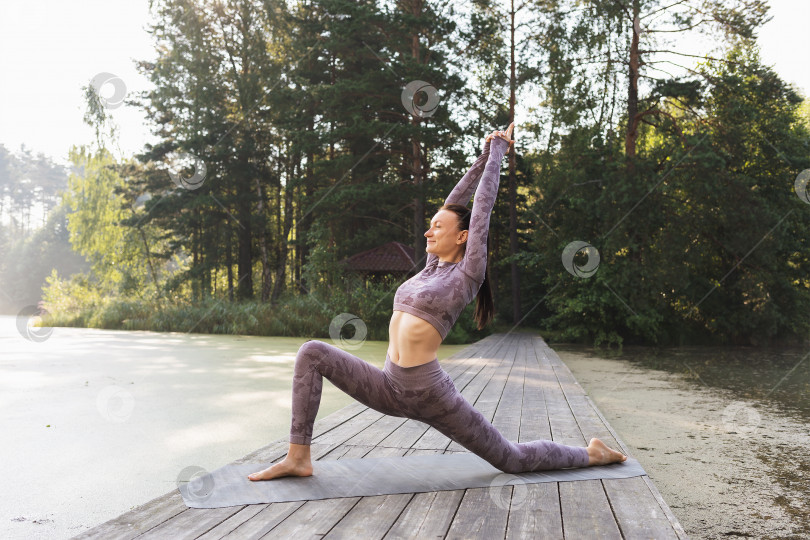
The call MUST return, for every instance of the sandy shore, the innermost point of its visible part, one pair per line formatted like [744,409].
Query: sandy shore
[727,467]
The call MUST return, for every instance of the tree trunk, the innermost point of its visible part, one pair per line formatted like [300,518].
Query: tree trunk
[418,203]
[513,222]
[149,260]
[266,281]
[281,268]
[303,224]
[195,261]
[229,262]
[414,8]
[632,89]
[245,259]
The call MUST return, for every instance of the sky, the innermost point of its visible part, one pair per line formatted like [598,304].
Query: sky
[49,49]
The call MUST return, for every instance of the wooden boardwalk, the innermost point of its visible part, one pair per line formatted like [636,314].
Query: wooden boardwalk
[519,383]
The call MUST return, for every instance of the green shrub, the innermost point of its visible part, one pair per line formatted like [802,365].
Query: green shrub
[75,303]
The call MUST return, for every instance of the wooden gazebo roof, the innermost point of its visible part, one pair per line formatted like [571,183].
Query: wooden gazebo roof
[391,257]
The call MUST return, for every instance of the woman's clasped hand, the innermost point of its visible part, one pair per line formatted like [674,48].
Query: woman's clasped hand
[506,135]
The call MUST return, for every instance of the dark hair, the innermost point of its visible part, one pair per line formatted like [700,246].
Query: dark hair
[484,305]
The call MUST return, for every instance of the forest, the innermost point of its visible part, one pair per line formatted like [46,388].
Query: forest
[653,195]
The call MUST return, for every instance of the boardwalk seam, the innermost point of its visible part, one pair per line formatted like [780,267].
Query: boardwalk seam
[551,433]
[612,509]
[349,511]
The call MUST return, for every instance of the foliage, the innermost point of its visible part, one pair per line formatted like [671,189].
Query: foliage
[28,260]
[679,260]
[95,212]
[290,117]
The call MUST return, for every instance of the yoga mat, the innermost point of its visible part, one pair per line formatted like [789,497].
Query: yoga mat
[229,485]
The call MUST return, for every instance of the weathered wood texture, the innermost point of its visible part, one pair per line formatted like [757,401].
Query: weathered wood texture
[519,383]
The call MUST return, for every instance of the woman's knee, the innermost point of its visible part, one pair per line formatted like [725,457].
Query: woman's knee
[311,349]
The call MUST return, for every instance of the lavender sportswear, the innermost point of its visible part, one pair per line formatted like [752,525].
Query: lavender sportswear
[426,393]
[439,293]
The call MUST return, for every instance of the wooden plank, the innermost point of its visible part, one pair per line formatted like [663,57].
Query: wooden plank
[676,525]
[191,523]
[563,424]
[313,518]
[534,512]
[427,515]
[490,397]
[584,504]
[371,517]
[637,511]
[507,413]
[477,516]
[228,525]
[541,512]
[648,520]
[252,521]
[585,511]
[534,417]
[534,509]
[140,519]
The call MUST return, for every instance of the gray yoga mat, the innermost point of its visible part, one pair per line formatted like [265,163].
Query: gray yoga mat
[229,485]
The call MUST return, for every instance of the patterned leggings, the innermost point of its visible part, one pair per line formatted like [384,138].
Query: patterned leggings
[425,393]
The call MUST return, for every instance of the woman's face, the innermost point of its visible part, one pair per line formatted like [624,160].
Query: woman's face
[443,237]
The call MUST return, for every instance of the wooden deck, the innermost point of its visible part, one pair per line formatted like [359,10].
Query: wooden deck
[522,386]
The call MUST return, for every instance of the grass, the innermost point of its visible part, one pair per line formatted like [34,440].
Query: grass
[292,316]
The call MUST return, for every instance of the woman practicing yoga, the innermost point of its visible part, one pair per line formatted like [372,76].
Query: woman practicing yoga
[413,384]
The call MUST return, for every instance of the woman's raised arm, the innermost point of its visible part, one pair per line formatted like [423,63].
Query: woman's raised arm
[474,263]
[465,187]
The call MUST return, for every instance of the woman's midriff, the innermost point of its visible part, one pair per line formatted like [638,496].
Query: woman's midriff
[412,341]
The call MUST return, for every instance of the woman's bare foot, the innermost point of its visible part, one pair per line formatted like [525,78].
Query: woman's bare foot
[286,467]
[297,463]
[600,454]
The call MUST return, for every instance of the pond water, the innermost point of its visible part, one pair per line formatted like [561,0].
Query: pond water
[96,422]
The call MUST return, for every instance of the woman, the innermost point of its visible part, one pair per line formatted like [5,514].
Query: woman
[413,384]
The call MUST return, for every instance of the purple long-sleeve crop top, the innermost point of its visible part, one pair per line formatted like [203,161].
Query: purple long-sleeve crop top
[441,291]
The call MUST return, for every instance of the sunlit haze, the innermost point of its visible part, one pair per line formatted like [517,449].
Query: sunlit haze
[51,48]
